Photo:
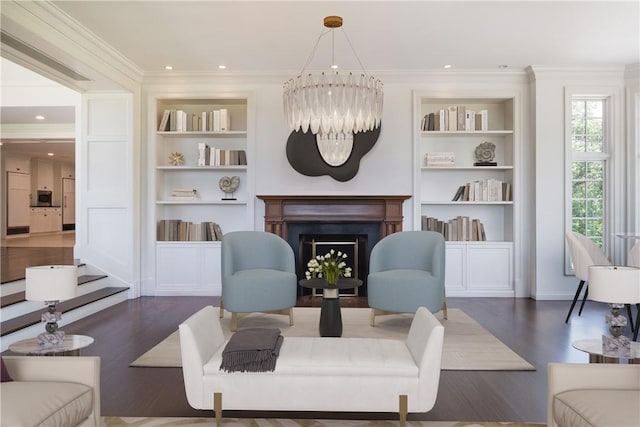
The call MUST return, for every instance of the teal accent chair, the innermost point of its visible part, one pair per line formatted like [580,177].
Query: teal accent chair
[258,275]
[406,271]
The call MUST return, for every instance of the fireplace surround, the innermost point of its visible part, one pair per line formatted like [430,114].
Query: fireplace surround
[365,218]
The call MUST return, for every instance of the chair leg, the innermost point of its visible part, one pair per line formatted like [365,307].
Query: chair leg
[291,317]
[575,298]
[444,310]
[373,317]
[635,333]
[630,314]
[221,308]
[234,322]
[217,408]
[584,298]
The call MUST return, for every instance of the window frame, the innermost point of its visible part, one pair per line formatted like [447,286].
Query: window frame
[612,173]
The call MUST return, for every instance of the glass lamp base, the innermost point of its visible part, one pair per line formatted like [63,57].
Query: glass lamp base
[49,339]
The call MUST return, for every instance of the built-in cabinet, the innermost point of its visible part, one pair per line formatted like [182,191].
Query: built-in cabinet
[67,170]
[475,266]
[42,174]
[186,188]
[45,220]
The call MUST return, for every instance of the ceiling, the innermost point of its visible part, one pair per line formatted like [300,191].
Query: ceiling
[277,37]
[270,36]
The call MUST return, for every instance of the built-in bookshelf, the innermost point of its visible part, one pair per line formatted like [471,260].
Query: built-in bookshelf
[452,190]
[197,142]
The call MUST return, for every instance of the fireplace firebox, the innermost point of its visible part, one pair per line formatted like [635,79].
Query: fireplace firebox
[352,223]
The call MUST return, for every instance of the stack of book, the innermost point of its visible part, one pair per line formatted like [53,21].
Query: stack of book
[456,118]
[440,159]
[212,156]
[459,228]
[183,194]
[207,121]
[175,230]
[487,190]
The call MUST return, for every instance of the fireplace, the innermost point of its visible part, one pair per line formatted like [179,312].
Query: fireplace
[353,223]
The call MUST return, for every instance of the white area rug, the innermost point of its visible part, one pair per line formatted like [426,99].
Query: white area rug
[467,345]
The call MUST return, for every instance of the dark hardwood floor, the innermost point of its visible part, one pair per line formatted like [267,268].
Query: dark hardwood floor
[534,329]
[14,260]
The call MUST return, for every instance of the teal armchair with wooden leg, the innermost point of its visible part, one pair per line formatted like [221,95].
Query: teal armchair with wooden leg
[406,271]
[258,275]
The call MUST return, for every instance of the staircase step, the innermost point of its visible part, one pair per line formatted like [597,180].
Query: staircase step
[12,325]
[18,297]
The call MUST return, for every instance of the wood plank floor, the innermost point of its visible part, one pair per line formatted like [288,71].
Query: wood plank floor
[534,329]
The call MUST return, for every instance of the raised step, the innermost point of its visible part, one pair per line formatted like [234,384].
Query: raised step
[19,297]
[33,318]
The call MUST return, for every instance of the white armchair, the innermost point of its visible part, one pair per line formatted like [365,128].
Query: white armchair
[598,394]
[51,390]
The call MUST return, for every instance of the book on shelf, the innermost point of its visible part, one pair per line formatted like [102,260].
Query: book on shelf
[440,159]
[460,228]
[486,190]
[222,157]
[456,118]
[183,194]
[175,230]
[174,120]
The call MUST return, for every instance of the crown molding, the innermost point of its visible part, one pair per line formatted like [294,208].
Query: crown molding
[46,28]
[38,131]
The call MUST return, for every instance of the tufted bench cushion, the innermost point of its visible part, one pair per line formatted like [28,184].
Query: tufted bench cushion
[45,403]
[336,356]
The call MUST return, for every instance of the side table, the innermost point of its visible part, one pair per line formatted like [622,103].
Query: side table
[330,315]
[70,346]
[594,348]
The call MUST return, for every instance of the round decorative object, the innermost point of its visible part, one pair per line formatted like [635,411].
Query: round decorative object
[229,184]
[176,159]
[485,152]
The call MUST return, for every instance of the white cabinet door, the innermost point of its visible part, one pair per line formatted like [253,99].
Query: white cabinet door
[38,221]
[44,177]
[18,187]
[68,202]
[15,164]
[67,170]
[490,267]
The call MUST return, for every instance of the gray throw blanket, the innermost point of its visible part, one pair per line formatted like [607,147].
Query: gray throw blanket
[252,350]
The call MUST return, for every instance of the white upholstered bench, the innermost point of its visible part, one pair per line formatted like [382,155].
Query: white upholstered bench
[317,374]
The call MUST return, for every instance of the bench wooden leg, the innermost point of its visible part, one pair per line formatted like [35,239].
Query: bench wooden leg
[217,408]
[404,409]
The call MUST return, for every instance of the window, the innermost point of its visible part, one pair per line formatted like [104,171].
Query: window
[589,165]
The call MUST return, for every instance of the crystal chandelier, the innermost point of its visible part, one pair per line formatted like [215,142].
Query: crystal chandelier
[333,107]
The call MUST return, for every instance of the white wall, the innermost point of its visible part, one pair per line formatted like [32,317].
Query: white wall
[549,115]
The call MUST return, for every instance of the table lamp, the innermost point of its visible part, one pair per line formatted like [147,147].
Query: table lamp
[617,286]
[51,284]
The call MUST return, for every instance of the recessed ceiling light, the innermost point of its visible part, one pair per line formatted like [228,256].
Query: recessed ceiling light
[222,67]
[49,154]
[502,67]
[447,66]
[335,67]
[39,117]
[168,67]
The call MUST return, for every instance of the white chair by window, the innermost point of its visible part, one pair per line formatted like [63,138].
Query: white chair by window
[633,260]
[584,253]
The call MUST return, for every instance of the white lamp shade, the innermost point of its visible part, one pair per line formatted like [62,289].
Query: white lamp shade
[51,282]
[614,284]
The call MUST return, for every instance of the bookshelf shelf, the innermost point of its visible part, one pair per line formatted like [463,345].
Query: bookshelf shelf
[468,256]
[237,133]
[450,202]
[456,133]
[183,231]
[201,168]
[203,202]
[465,168]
